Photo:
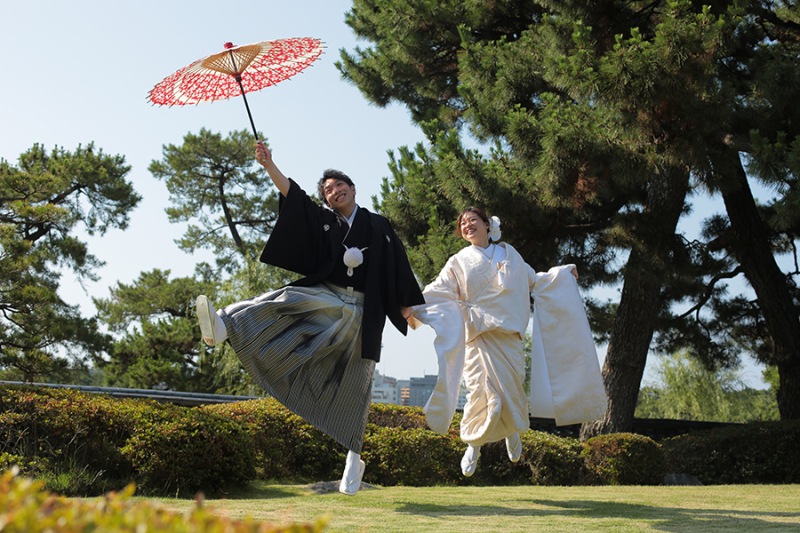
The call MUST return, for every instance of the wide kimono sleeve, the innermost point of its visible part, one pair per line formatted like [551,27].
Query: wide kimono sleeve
[401,286]
[443,312]
[298,241]
[565,375]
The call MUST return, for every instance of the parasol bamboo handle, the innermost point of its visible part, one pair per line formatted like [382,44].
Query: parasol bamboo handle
[249,115]
[238,78]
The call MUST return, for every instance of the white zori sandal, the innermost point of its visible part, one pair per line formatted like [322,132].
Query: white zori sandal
[470,460]
[514,447]
[353,472]
[211,325]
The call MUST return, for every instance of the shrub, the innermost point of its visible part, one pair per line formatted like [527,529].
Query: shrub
[286,447]
[552,460]
[86,444]
[412,457]
[397,416]
[193,451]
[494,466]
[62,432]
[757,452]
[26,508]
[624,459]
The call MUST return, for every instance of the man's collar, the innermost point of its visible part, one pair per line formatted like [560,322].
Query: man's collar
[352,216]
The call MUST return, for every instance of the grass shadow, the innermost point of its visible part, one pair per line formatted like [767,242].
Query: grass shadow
[669,519]
[258,490]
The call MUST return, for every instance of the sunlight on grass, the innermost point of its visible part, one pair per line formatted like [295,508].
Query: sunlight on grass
[729,508]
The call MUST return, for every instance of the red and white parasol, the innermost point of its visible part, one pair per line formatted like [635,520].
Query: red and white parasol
[235,71]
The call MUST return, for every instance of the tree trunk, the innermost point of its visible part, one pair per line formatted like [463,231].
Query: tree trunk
[640,303]
[752,245]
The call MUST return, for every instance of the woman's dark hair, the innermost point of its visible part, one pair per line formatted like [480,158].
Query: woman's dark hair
[477,210]
[331,174]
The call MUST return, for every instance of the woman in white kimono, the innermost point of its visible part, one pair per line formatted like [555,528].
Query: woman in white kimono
[479,307]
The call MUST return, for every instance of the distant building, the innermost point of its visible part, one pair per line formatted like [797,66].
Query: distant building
[462,397]
[414,391]
[385,389]
[421,390]
[404,386]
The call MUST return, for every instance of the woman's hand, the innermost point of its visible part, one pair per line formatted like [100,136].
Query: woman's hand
[574,271]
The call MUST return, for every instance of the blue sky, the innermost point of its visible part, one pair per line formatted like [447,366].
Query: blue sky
[77,72]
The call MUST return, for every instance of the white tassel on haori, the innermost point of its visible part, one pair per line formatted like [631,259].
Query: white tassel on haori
[494,229]
[353,258]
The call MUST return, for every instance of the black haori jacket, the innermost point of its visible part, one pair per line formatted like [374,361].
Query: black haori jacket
[303,241]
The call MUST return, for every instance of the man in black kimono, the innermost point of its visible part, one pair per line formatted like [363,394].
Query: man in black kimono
[313,344]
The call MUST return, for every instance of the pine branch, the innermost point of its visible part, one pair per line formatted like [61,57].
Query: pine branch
[709,292]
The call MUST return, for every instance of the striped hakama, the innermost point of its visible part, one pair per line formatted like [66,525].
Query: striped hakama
[302,345]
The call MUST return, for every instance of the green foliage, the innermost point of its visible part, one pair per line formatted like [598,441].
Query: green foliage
[93,443]
[161,345]
[598,121]
[86,444]
[770,376]
[26,508]
[285,446]
[195,450]
[388,415]
[230,205]
[762,452]
[495,468]
[687,390]
[552,460]
[624,459]
[62,417]
[394,457]
[43,201]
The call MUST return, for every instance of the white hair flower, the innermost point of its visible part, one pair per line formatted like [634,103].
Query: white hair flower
[494,229]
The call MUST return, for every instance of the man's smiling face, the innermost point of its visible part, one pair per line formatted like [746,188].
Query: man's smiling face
[340,196]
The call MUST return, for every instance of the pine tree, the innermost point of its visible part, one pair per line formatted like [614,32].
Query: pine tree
[230,205]
[603,116]
[230,208]
[44,200]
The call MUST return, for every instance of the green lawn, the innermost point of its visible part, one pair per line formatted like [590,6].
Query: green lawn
[722,508]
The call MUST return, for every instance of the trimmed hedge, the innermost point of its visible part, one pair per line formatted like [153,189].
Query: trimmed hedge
[286,447]
[397,416]
[87,444]
[411,457]
[758,452]
[624,459]
[193,451]
[552,460]
[26,508]
[57,430]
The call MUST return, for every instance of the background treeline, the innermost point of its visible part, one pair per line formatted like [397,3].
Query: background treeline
[84,444]
[686,390]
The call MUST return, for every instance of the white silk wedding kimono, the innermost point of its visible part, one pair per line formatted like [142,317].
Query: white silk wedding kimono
[479,312]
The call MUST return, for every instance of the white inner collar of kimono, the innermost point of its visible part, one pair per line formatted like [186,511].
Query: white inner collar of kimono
[492,252]
[352,216]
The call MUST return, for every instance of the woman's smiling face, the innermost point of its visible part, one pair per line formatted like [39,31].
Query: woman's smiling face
[474,229]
